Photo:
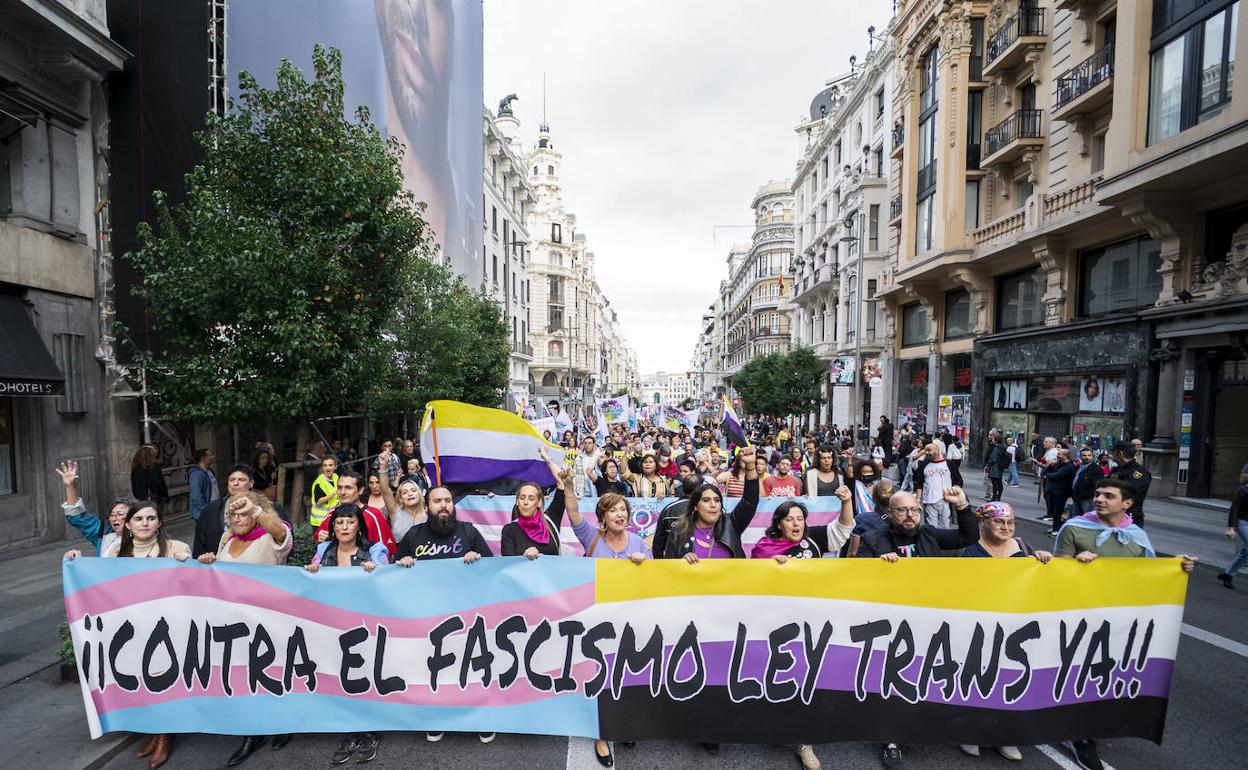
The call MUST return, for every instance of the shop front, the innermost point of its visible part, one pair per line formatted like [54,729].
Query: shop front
[912,383]
[1086,382]
[953,410]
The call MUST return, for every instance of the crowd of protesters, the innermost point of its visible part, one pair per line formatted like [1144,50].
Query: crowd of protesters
[901,498]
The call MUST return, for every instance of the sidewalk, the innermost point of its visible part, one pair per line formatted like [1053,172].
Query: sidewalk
[41,717]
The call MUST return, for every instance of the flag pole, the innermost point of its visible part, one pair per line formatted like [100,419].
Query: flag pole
[437,461]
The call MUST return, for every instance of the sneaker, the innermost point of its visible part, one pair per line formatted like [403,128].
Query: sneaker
[434,737]
[1010,752]
[487,737]
[892,756]
[1086,755]
[349,745]
[806,755]
[969,750]
[368,749]
[1226,579]
[1051,533]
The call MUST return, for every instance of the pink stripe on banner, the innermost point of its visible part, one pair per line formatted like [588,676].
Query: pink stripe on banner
[114,698]
[179,582]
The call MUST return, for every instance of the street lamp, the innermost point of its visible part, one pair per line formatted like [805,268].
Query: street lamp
[847,239]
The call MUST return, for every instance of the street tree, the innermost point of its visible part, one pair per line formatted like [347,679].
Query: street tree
[782,384]
[271,286]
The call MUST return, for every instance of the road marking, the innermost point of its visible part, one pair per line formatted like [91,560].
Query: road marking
[581,754]
[1208,637]
[1062,760]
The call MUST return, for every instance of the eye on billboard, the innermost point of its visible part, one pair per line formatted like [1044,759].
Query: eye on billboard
[417,66]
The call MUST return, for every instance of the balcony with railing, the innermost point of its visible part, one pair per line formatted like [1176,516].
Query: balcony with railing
[1018,34]
[522,349]
[894,209]
[1021,132]
[899,140]
[1086,87]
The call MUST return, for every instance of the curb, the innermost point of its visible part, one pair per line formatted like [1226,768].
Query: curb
[119,744]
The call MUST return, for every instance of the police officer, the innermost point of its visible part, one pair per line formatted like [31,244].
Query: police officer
[1130,471]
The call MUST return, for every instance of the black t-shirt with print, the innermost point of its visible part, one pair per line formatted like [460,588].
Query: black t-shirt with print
[422,543]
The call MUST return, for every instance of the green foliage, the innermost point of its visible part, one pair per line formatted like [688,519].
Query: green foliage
[65,644]
[304,547]
[286,285]
[782,384]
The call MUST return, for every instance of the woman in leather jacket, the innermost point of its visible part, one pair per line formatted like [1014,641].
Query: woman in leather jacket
[704,531]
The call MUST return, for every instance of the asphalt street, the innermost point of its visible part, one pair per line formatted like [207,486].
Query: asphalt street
[42,720]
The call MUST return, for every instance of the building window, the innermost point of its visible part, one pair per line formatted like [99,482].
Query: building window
[879,103]
[837,148]
[8,449]
[1020,299]
[976,65]
[494,219]
[873,228]
[879,160]
[556,232]
[923,230]
[494,257]
[550,170]
[971,221]
[956,375]
[1120,277]
[914,327]
[957,314]
[556,318]
[974,129]
[1192,63]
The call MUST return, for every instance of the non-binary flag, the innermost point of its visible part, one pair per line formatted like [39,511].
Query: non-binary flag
[731,425]
[477,444]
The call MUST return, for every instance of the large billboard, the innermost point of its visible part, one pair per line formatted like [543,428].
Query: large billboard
[416,64]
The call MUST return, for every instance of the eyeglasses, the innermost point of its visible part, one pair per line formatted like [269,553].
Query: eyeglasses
[915,511]
[1007,523]
[237,515]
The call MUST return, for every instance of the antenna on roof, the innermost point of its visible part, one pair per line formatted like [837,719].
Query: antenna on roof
[544,126]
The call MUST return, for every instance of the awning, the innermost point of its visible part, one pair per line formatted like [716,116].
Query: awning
[26,366]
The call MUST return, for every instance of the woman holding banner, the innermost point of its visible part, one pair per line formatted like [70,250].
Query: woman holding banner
[143,535]
[788,537]
[703,532]
[533,532]
[611,539]
[349,548]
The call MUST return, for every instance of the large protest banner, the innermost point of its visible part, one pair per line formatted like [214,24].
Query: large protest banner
[987,651]
[491,514]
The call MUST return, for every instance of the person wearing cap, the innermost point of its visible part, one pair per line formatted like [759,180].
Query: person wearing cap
[997,539]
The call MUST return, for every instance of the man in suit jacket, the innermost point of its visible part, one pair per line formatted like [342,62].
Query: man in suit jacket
[210,525]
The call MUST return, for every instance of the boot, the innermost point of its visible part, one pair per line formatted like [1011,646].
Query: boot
[161,749]
[147,746]
[245,749]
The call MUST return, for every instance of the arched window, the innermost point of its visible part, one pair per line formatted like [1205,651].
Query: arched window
[549,380]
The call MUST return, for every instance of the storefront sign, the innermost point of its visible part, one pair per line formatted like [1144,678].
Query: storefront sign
[9,387]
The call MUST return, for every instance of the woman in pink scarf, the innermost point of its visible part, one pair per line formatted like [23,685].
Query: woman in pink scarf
[788,537]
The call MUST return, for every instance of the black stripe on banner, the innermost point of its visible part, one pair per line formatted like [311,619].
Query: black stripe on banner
[834,716]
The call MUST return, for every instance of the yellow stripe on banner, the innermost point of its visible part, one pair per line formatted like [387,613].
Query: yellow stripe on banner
[456,414]
[987,585]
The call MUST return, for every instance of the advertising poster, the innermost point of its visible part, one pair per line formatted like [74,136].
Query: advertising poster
[841,370]
[1009,394]
[416,66]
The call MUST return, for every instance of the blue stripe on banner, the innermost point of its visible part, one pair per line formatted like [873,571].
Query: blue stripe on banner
[571,714]
[455,586]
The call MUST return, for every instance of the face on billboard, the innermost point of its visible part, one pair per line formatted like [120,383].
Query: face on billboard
[416,41]
[416,64]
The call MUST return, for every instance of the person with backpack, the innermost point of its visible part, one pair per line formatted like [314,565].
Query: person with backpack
[1017,455]
[995,464]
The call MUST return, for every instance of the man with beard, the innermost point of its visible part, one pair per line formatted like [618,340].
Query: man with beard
[906,535]
[442,536]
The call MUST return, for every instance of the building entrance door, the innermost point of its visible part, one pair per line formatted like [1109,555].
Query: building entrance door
[1230,435]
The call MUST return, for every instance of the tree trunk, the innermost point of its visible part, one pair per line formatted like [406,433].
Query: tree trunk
[303,432]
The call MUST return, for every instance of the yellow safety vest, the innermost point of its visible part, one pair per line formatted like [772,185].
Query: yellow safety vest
[321,487]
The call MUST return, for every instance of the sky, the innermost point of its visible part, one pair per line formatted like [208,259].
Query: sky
[670,114]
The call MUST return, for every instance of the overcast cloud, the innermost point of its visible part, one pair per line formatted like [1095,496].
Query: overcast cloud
[669,115]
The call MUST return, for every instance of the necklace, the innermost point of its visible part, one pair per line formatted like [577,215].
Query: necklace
[147,547]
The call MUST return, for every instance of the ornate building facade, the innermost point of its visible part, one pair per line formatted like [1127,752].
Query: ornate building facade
[509,197]
[1069,233]
[841,197]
